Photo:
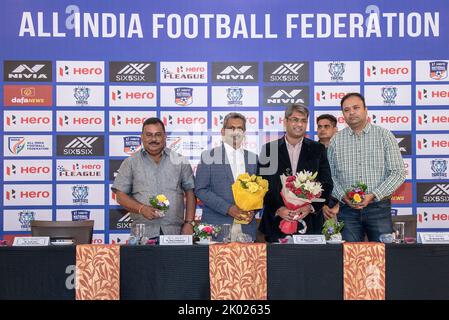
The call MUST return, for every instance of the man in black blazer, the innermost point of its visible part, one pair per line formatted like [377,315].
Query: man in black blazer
[290,154]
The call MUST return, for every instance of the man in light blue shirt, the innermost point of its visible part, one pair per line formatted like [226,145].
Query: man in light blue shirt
[369,154]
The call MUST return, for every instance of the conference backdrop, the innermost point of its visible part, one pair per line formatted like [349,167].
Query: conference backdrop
[80,77]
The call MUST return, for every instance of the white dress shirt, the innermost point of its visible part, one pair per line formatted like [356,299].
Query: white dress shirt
[236,158]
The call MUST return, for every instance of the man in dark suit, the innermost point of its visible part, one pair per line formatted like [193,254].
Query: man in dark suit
[218,170]
[288,155]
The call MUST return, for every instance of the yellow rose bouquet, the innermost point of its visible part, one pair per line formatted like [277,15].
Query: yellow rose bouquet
[249,192]
[160,203]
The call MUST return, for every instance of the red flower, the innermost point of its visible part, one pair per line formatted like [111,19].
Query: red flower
[208,229]
[351,194]
[291,178]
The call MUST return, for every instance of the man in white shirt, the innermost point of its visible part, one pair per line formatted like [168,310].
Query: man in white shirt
[218,170]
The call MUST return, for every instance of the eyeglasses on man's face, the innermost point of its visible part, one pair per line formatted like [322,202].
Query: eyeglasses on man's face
[297,120]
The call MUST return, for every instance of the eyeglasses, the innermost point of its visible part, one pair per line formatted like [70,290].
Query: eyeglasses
[297,120]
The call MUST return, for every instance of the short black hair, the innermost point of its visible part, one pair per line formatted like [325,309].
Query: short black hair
[329,117]
[352,94]
[153,120]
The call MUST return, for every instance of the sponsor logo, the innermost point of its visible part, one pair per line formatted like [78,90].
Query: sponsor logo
[433,217]
[80,215]
[252,120]
[72,121]
[234,95]
[439,168]
[80,170]
[80,145]
[328,96]
[27,96]
[25,218]
[28,145]
[28,121]
[234,72]
[432,120]
[187,122]
[24,71]
[27,170]
[273,120]
[80,96]
[241,96]
[432,193]
[119,219]
[128,121]
[140,96]
[188,146]
[404,143]
[114,165]
[80,194]
[403,195]
[183,96]
[389,94]
[432,144]
[183,72]
[132,71]
[432,168]
[391,119]
[286,71]
[438,70]
[132,144]
[385,71]
[337,71]
[280,96]
[432,95]
[80,71]
[28,194]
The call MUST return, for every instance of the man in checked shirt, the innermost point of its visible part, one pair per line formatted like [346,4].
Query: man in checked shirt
[369,154]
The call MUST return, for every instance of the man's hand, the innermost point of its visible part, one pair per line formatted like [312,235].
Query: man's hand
[330,213]
[187,229]
[237,213]
[301,213]
[285,214]
[366,201]
[150,213]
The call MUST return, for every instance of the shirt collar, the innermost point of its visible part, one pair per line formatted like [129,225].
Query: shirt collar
[229,149]
[364,130]
[293,146]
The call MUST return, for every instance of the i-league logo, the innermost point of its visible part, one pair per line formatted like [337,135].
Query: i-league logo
[183,96]
[336,70]
[25,218]
[439,168]
[81,95]
[389,94]
[80,194]
[79,215]
[235,95]
[438,70]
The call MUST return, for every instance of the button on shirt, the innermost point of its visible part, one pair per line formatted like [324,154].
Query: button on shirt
[141,177]
[293,153]
[371,157]
[236,158]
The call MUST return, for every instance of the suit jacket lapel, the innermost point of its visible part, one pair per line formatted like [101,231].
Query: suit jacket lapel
[283,156]
[303,155]
[227,164]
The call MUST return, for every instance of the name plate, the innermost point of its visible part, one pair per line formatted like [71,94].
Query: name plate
[31,241]
[175,240]
[309,239]
[433,237]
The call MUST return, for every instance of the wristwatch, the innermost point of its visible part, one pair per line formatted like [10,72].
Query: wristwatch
[192,222]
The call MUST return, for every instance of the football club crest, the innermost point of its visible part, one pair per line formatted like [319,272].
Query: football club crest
[131,144]
[438,70]
[80,194]
[235,95]
[439,168]
[336,70]
[389,94]
[183,96]
[16,144]
[25,218]
[174,143]
[81,95]
[79,215]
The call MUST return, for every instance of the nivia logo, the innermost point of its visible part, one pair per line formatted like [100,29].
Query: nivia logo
[138,71]
[235,72]
[80,145]
[36,71]
[404,143]
[280,96]
[286,71]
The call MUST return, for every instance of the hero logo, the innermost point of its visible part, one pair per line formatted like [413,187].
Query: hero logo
[440,143]
[233,73]
[65,120]
[373,71]
[427,217]
[283,96]
[24,120]
[25,194]
[170,120]
[120,120]
[119,95]
[325,95]
[80,71]
[432,94]
[27,170]
[272,120]
[390,119]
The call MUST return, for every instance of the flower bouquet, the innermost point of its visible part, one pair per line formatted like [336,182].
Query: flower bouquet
[160,203]
[357,193]
[332,228]
[204,232]
[249,192]
[298,191]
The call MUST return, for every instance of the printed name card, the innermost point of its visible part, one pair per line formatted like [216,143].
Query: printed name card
[433,237]
[309,239]
[31,241]
[175,240]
